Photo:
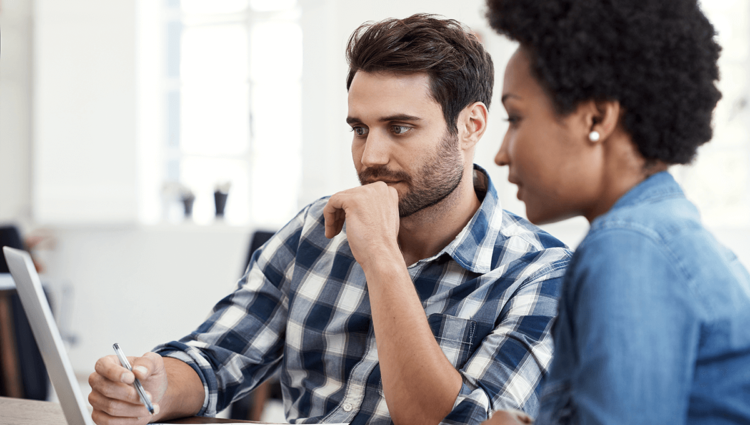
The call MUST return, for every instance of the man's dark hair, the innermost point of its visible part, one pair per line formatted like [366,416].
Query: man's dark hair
[459,68]
[658,58]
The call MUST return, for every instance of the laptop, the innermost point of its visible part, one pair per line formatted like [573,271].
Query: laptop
[47,336]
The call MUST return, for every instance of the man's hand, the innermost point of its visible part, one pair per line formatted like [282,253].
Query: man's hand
[112,393]
[509,417]
[372,220]
[419,383]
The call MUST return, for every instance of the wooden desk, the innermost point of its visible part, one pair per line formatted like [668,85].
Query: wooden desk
[16,411]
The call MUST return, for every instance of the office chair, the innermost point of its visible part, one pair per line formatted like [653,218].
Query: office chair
[22,371]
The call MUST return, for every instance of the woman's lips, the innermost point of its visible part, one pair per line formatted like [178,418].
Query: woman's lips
[520,187]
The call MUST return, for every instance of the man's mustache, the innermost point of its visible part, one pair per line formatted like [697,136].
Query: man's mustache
[370,175]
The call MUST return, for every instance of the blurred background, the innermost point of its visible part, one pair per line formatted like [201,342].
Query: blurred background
[118,117]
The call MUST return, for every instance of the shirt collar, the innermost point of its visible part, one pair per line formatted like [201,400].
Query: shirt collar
[472,248]
[659,186]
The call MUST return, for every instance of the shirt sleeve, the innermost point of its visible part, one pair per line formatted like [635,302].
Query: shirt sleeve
[509,365]
[635,330]
[241,342]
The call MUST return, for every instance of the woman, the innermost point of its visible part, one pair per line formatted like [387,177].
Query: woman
[602,97]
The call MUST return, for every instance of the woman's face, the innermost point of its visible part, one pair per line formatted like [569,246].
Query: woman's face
[550,158]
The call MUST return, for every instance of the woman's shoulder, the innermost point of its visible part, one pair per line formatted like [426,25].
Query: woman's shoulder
[660,252]
[661,218]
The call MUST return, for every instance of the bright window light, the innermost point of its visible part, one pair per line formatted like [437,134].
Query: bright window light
[272,5]
[276,52]
[233,109]
[206,7]
[213,54]
[215,119]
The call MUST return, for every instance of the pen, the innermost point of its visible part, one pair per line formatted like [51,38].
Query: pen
[137,384]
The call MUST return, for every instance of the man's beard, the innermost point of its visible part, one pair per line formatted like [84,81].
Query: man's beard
[437,178]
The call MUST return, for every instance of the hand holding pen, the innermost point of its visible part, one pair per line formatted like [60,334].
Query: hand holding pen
[136,383]
[115,397]
[174,388]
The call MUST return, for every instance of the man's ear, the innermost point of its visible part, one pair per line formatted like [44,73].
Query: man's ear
[472,123]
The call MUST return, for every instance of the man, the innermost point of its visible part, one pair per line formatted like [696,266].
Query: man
[413,298]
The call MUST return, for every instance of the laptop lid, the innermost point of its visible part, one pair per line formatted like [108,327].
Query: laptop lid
[47,336]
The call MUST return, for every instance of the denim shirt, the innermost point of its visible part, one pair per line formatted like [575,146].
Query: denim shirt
[654,323]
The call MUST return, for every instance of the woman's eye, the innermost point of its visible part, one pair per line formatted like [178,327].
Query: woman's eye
[512,119]
[400,129]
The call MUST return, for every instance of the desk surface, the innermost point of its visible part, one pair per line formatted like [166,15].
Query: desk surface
[22,412]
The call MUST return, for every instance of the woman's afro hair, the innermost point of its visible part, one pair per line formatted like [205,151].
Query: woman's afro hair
[658,58]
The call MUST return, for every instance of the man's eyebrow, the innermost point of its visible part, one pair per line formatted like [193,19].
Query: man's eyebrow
[508,96]
[397,117]
[400,117]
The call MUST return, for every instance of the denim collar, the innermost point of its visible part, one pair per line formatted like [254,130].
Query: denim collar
[657,187]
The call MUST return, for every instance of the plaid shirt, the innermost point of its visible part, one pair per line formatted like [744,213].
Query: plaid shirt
[490,298]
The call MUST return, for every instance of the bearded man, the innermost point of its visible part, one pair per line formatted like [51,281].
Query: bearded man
[413,298]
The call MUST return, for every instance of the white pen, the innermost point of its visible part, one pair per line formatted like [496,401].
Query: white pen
[137,384]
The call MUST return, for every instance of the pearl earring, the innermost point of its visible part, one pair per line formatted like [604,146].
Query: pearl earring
[594,136]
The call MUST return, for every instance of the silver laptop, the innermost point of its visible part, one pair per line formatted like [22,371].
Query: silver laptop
[47,336]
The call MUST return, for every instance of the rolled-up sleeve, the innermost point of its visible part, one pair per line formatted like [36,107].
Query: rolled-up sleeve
[241,342]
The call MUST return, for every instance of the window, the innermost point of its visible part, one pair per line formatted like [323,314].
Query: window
[232,96]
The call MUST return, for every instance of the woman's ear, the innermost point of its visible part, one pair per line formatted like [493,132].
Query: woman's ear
[600,118]
[472,123]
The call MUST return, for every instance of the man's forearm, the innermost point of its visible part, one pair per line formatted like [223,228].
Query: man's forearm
[185,394]
[419,383]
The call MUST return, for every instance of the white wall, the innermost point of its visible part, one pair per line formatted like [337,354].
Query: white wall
[140,286]
[85,111]
[15,110]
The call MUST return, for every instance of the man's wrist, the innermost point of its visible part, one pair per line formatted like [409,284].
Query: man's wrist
[185,393]
[382,258]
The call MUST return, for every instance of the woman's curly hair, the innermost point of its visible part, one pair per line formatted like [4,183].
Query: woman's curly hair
[658,58]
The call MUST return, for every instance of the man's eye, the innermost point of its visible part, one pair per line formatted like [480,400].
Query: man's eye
[359,131]
[400,129]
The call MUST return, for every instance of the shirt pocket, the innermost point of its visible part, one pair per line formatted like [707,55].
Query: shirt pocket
[455,336]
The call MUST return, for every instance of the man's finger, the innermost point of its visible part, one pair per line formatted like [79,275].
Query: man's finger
[147,365]
[117,408]
[102,418]
[112,389]
[509,417]
[110,368]
[334,216]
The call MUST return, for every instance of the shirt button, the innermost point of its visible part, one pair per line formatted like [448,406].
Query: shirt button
[347,407]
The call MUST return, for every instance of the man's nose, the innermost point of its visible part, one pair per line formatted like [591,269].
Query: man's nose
[376,150]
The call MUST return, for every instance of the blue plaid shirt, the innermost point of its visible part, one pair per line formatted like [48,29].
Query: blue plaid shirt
[490,298]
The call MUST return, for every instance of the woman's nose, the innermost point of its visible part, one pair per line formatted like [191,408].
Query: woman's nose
[502,157]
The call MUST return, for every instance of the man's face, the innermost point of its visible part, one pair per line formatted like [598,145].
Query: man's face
[401,138]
